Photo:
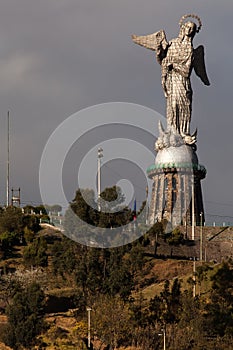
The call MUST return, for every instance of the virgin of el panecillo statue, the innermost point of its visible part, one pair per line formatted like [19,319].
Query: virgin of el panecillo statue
[177,59]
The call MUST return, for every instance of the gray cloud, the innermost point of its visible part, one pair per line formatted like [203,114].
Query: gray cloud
[59,56]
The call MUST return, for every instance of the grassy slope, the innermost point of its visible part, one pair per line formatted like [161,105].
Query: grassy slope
[62,334]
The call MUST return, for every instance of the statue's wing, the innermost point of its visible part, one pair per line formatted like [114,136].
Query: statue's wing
[151,41]
[199,64]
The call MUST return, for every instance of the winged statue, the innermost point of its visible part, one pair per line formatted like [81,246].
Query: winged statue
[177,59]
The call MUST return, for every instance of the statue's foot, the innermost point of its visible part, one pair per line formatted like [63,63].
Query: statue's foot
[190,139]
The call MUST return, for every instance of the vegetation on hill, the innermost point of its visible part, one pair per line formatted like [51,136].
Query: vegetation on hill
[136,294]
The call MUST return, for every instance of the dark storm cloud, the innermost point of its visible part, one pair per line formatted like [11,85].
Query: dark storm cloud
[59,56]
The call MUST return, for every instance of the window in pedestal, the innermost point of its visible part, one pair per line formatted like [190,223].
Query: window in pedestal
[157,196]
[174,191]
[165,190]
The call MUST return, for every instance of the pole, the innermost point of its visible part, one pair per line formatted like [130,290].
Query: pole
[100,155]
[8,162]
[164,337]
[99,166]
[201,238]
[185,206]
[193,210]
[146,205]
[89,328]
[194,277]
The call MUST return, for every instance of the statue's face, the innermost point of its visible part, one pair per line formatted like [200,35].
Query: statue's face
[190,28]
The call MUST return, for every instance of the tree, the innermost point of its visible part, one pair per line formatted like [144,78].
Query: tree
[81,216]
[65,256]
[166,307]
[175,238]
[11,220]
[25,317]
[7,241]
[156,231]
[35,254]
[31,222]
[189,331]
[201,274]
[40,210]
[15,227]
[136,258]
[118,278]
[111,321]
[84,205]
[219,313]
[222,284]
[113,212]
[84,223]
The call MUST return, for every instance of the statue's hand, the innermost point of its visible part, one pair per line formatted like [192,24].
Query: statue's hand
[164,87]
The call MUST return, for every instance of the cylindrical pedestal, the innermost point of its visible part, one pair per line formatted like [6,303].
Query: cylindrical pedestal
[176,176]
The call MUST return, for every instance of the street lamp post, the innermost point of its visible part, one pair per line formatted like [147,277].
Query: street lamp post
[147,190]
[100,155]
[194,277]
[201,236]
[89,328]
[164,336]
[193,209]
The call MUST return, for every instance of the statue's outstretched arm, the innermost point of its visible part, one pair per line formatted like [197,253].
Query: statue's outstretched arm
[199,64]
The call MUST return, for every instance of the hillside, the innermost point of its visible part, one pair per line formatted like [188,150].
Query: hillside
[65,314]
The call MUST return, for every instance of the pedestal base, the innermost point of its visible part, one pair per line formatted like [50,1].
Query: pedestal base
[176,191]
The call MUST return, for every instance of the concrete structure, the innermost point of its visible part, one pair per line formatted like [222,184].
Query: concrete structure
[176,177]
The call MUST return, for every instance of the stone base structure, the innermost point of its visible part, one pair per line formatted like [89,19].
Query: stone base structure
[176,177]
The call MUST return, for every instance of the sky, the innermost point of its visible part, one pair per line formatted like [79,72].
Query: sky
[59,57]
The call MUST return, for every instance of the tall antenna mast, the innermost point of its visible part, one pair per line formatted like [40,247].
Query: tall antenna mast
[8,161]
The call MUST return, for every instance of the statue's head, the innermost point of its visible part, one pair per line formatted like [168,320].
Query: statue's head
[189,28]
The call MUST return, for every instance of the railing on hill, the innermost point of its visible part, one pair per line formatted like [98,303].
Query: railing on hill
[218,224]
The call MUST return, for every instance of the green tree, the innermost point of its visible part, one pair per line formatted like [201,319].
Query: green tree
[36,253]
[222,284]
[31,222]
[219,313]
[11,220]
[80,213]
[189,330]
[63,257]
[136,258]
[7,241]
[15,227]
[84,205]
[113,212]
[156,231]
[83,222]
[40,210]
[111,320]
[119,278]
[175,238]
[166,307]
[25,317]
[201,274]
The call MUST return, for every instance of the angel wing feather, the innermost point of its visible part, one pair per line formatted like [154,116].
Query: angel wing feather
[199,64]
[151,41]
